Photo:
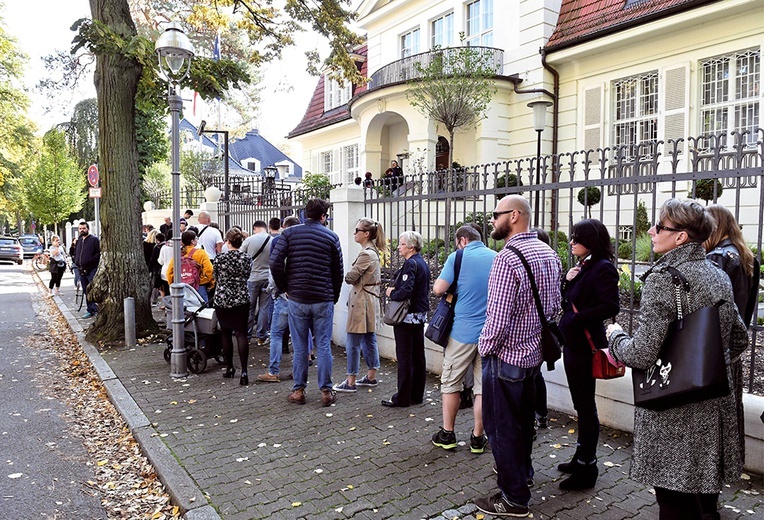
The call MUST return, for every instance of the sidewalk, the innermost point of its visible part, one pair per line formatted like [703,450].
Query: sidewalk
[255,455]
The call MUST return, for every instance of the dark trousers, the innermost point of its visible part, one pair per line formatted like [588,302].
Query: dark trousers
[85,281]
[540,385]
[508,400]
[55,277]
[578,370]
[412,371]
[675,505]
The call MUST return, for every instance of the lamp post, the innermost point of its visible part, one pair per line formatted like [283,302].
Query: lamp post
[539,123]
[226,193]
[175,53]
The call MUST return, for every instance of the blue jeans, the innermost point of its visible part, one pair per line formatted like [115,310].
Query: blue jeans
[361,342]
[85,281]
[260,302]
[304,317]
[279,324]
[508,415]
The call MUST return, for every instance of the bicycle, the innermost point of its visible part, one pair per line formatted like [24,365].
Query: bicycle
[41,261]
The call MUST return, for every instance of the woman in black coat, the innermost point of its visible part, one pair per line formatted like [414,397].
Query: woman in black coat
[590,296]
[412,283]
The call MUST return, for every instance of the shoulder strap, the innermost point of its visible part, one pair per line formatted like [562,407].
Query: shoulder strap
[193,250]
[536,297]
[202,231]
[457,270]
[265,242]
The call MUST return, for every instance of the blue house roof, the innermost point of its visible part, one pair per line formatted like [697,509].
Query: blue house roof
[254,145]
[234,166]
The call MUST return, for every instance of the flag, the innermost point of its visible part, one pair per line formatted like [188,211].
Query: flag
[216,48]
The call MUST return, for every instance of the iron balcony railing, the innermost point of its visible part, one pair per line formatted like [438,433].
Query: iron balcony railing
[405,69]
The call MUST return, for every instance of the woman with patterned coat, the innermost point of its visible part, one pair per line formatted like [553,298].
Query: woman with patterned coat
[686,453]
[231,301]
[363,306]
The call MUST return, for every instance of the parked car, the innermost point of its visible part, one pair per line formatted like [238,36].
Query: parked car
[11,250]
[31,245]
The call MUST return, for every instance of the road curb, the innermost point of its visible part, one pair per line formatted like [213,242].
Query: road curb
[183,490]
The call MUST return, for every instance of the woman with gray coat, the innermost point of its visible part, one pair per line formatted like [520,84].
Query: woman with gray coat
[363,306]
[686,453]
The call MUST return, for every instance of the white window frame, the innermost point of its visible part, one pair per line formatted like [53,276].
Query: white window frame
[730,93]
[634,102]
[350,162]
[442,29]
[336,95]
[410,43]
[479,23]
[326,162]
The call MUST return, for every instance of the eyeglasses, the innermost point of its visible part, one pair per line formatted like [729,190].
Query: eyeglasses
[660,227]
[573,240]
[497,214]
[360,231]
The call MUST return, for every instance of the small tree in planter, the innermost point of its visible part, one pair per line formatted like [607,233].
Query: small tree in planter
[588,197]
[642,222]
[704,189]
[507,180]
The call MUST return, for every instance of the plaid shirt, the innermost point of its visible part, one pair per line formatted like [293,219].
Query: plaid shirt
[512,328]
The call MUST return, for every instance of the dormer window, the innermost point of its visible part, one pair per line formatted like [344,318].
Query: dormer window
[336,95]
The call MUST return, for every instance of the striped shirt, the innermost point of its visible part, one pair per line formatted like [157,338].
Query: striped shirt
[512,329]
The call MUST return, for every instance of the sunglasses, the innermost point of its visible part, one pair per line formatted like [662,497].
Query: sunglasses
[359,231]
[497,214]
[660,227]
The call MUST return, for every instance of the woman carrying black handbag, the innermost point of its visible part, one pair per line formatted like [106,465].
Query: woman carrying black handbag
[685,452]
[589,296]
[413,284]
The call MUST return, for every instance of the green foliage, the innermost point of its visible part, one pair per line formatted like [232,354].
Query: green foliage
[198,168]
[704,189]
[642,222]
[54,189]
[507,180]
[157,179]
[313,185]
[483,220]
[588,197]
[644,247]
[434,248]
[151,133]
[624,250]
[562,238]
[563,252]
[626,285]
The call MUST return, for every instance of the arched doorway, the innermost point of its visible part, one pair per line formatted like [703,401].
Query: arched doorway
[442,153]
[387,137]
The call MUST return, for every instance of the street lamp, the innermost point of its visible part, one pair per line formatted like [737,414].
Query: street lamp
[175,53]
[539,123]
[226,194]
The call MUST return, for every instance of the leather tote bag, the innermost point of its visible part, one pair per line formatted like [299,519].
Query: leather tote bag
[439,329]
[604,366]
[691,366]
[395,311]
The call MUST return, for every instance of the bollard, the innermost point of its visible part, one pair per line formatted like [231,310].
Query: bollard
[130,322]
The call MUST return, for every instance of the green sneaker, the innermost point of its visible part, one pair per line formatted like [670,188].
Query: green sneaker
[444,439]
[478,444]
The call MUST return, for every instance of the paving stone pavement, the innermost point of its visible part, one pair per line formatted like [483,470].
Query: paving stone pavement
[255,455]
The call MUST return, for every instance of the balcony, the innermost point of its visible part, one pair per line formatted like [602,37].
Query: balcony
[405,69]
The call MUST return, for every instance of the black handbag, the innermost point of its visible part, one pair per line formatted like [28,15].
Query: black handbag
[690,367]
[396,311]
[439,329]
[552,338]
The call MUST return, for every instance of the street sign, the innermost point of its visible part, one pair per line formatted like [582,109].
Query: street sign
[94,193]
[93,176]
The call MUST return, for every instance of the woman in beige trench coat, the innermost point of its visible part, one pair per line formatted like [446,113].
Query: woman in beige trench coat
[363,306]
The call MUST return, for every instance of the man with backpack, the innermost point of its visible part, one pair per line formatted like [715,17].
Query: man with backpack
[195,265]
[258,247]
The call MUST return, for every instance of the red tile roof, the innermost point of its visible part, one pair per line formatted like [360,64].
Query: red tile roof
[583,20]
[315,117]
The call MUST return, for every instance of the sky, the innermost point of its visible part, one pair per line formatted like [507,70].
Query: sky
[287,87]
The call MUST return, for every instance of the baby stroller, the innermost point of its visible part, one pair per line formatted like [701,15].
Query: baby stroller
[201,333]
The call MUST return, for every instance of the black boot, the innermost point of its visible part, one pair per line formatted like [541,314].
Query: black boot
[584,476]
[567,467]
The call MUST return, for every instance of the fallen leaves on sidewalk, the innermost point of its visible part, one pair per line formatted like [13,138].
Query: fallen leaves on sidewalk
[125,480]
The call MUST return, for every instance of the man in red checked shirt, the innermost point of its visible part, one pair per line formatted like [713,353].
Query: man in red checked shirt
[510,346]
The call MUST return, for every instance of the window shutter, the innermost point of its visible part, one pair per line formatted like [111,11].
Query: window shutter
[592,115]
[673,103]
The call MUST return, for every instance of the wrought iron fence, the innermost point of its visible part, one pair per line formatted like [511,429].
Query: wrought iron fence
[610,184]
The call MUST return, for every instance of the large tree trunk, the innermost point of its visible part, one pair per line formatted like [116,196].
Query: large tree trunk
[122,272]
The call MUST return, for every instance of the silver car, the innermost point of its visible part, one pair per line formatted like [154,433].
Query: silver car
[11,250]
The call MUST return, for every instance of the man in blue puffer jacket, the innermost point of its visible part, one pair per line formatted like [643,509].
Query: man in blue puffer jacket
[306,263]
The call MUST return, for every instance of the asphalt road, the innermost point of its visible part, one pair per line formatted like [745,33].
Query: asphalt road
[45,468]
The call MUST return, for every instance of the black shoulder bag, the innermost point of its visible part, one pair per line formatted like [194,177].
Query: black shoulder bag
[690,366]
[552,338]
[439,329]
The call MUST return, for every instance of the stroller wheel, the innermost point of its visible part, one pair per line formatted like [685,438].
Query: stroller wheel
[167,353]
[197,361]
